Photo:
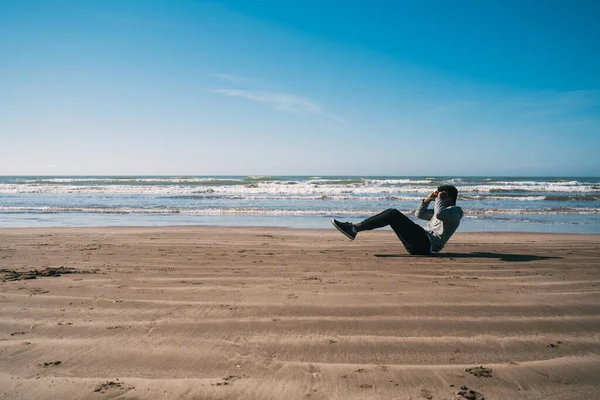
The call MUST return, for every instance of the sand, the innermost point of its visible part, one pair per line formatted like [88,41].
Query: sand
[261,313]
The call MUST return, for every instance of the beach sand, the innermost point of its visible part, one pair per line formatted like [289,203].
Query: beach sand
[261,313]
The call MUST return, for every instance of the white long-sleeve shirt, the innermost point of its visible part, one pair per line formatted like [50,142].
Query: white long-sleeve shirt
[443,221]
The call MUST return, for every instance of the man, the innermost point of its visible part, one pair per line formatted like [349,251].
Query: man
[443,222]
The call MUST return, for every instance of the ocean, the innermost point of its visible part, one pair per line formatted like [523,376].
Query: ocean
[506,204]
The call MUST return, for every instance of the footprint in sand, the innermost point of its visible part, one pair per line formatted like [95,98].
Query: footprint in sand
[314,371]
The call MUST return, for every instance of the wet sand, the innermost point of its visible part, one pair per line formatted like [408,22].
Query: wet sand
[261,313]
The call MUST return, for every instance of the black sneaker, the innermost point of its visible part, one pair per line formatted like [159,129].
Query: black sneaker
[345,228]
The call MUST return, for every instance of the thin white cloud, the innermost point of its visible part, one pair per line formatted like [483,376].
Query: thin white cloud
[230,78]
[281,101]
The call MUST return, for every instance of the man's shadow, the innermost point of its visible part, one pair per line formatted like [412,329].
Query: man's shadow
[479,254]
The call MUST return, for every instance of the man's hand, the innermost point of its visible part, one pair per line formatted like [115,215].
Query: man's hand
[431,197]
[445,198]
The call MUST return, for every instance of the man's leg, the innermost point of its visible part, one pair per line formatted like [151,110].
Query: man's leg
[413,236]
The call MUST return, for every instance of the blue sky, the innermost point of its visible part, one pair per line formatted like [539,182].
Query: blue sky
[300,87]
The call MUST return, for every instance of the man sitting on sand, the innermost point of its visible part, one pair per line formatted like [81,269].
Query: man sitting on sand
[443,222]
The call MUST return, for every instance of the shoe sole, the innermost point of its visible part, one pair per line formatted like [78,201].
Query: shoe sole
[339,229]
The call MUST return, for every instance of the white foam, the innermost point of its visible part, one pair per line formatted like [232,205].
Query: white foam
[240,186]
[196,211]
[268,211]
[505,198]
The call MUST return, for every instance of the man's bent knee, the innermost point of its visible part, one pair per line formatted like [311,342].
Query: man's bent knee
[393,211]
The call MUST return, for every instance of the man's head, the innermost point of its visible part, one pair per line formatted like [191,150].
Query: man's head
[450,190]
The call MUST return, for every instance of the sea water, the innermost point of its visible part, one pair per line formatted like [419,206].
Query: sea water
[535,204]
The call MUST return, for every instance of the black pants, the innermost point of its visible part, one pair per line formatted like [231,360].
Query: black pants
[413,236]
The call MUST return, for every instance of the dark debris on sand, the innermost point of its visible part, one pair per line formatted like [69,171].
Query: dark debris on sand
[46,364]
[107,385]
[229,379]
[12,275]
[468,394]
[480,372]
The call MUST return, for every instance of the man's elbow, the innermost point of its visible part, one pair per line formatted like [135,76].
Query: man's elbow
[443,216]
[448,216]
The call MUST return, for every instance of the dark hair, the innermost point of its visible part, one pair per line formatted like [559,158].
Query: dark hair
[451,190]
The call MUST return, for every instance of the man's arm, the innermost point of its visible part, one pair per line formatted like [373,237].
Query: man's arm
[422,211]
[446,213]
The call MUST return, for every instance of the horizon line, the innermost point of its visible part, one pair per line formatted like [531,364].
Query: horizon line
[311,175]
